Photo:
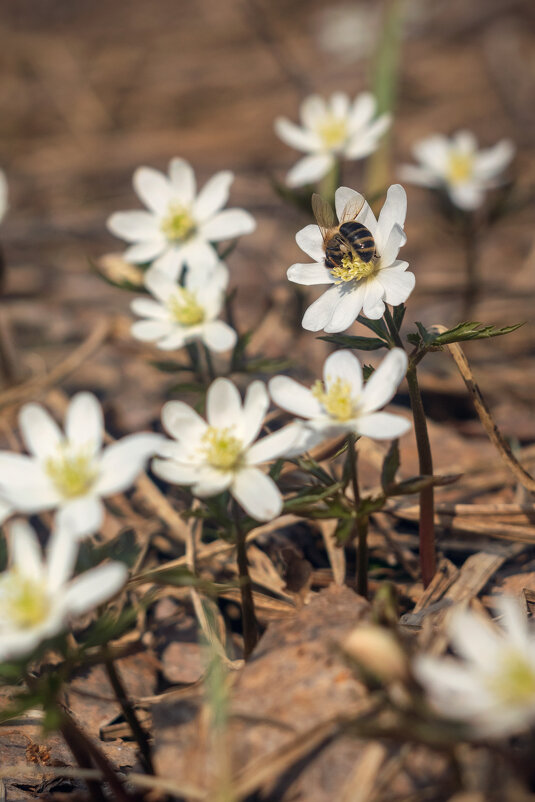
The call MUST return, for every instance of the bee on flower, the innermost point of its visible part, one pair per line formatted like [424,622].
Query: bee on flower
[38,596]
[492,687]
[71,470]
[180,227]
[342,403]
[223,453]
[357,256]
[331,130]
[177,315]
[456,166]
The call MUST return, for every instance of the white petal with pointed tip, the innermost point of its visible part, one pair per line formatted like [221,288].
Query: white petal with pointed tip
[257,494]
[40,432]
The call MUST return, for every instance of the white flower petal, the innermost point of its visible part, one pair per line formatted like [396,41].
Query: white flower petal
[257,494]
[159,284]
[154,189]
[345,195]
[211,482]
[310,169]
[351,298]
[182,180]
[182,422]
[143,252]
[362,111]
[339,103]
[422,176]
[365,142]
[382,426]
[467,196]
[385,380]
[433,153]
[393,212]
[373,304]
[490,162]
[80,517]
[218,336]
[169,263]
[25,551]
[200,257]
[24,485]
[390,249]
[318,314]
[310,241]
[146,307]
[94,587]
[474,638]
[223,404]
[213,196]
[134,226]
[255,407]
[274,445]
[310,274]
[343,365]
[299,138]
[465,142]
[228,224]
[178,337]
[398,283]
[150,330]
[84,423]
[514,621]
[172,472]
[312,110]
[293,397]
[123,461]
[61,554]
[40,432]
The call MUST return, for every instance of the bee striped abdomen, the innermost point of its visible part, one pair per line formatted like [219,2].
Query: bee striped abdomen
[359,239]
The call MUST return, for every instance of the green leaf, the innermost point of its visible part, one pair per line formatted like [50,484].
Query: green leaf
[109,626]
[263,365]
[390,465]
[418,483]
[377,326]
[188,387]
[169,366]
[472,331]
[311,495]
[399,314]
[358,343]
[343,530]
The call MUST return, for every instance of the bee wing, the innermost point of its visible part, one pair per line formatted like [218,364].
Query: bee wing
[352,208]
[323,213]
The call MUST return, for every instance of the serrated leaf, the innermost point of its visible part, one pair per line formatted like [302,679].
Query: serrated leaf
[390,465]
[472,331]
[377,326]
[358,343]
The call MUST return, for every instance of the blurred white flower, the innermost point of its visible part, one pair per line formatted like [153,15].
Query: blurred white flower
[356,285]
[348,32]
[36,597]
[181,314]
[342,403]
[458,167]
[71,471]
[222,454]
[180,225]
[492,688]
[331,130]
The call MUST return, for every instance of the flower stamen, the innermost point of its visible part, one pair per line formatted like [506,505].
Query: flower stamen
[353,268]
[72,473]
[185,309]
[332,131]
[221,449]
[460,167]
[24,601]
[178,225]
[337,400]
[514,681]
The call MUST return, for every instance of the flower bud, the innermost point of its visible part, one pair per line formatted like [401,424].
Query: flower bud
[377,652]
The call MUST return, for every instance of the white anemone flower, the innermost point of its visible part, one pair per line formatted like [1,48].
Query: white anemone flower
[71,470]
[331,130]
[492,689]
[38,597]
[342,403]
[222,454]
[181,314]
[458,167]
[181,225]
[357,286]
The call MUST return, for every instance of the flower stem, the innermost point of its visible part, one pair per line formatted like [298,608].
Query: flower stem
[360,530]
[472,280]
[250,624]
[330,183]
[209,363]
[130,715]
[427,503]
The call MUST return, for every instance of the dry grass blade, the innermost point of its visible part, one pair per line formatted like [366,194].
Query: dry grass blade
[360,784]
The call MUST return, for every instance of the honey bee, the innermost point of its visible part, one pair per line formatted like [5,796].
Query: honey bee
[346,242]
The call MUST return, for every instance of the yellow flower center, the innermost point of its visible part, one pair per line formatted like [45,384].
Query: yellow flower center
[24,601]
[460,167]
[514,682]
[185,309]
[221,449]
[353,268]
[72,473]
[337,400]
[178,225]
[333,131]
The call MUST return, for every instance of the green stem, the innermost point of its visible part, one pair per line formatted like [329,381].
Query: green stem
[250,624]
[472,282]
[330,183]
[130,715]
[392,328]
[427,503]
[193,353]
[362,556]
[209,363]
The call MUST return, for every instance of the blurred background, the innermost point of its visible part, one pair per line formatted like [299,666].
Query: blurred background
[91,90]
